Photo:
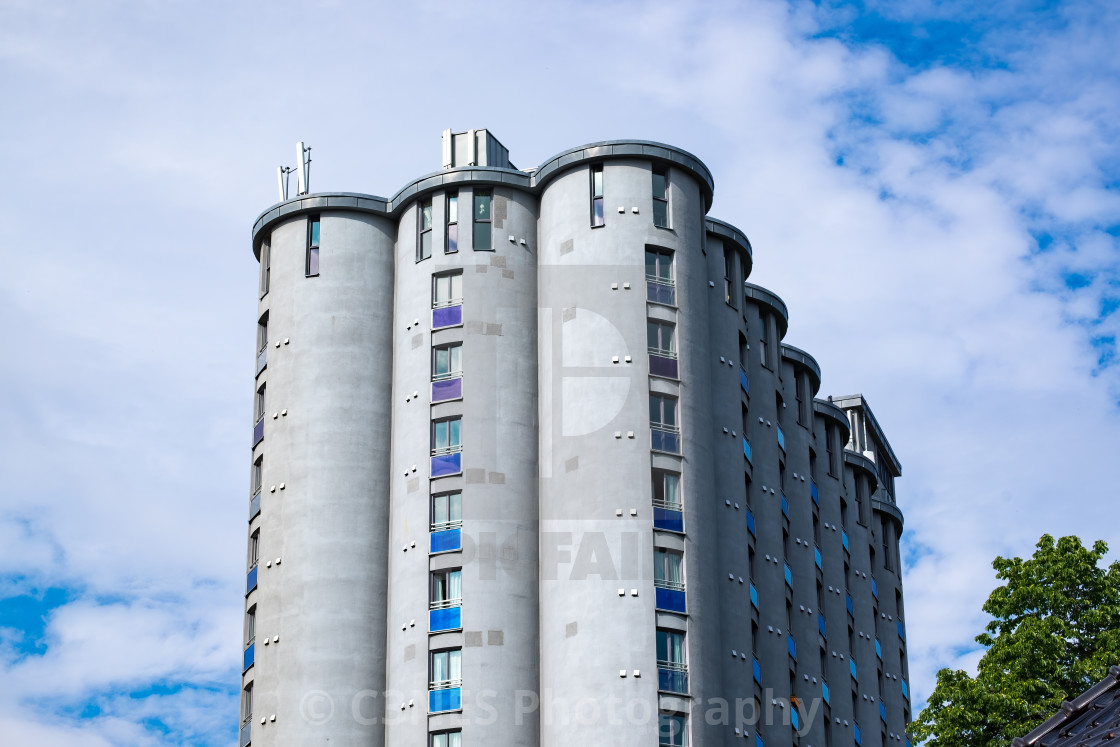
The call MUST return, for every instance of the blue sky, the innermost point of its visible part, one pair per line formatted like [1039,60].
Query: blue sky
[933,188]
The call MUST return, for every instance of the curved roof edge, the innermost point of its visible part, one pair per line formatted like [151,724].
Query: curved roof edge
[797,355]
[826,409]
[856,459]
[529,180]
[888,508]
[760,294]
[735,235]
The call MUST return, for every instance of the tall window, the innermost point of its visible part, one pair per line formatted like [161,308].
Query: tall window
[251,625]
[446,435]
[660,197]
[742,351]
[659,277]
[313,246]
[482,232]
[729,290]
[666,489]
[447,289]
[447,588]
[424,242]
[667,569]
[447,511]
[259,406]
[446,668]
[670,649]
[447,361]
[813,465]
[672,730]
[597,195]
[830,445]
[861,495]
[254,548]
[843,514]
[452,245]
[262,333]
[659,338]
[247,703]
[258,474]
[764,339]
[447,739]
[662,411]
[266,262]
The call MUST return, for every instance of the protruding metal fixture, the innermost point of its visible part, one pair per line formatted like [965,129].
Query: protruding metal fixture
[303,158]
[282,180]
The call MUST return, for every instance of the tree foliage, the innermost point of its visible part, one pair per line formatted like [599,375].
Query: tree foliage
[1055,630]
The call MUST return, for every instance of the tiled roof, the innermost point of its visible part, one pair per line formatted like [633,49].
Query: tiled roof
[1092,719]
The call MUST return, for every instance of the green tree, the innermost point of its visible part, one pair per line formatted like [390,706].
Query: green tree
[1055,630]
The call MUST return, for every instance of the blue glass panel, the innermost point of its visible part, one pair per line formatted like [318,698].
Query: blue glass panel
[901,634]
[824,691]
[744,382]
[785,507]
[448,539]
[246,734]
[757,671]
[447,389]
[883,711]
[258,432]
[660,293]
[254,506]
[662,366]
[251,580]
[851,611]
[448,699]
[789,576]
[447,316]
[750,521]
[905,690]
[747,449]
[792,647]
[794,721]
[250,654]
[856,734]
[672,681]
[781,438]
[821,625]
[878,649]
[664,518]
[670,599]
[758,741]
[844,538]
[447,464]
[852,668]
[817,556]
[814,492]
[754,596]
[666,441]
[874,589]
[449,618]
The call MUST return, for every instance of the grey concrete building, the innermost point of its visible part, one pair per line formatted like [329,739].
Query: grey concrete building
[532,465]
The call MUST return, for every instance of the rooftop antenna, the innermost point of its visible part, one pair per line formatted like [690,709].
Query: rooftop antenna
[303,158]
[282,173]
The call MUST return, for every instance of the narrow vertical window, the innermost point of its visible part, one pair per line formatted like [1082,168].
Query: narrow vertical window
[254,548]
[266,262]
[666,489]
[446,436]
[452,245]
[597,195]
[660,197]
[659,277]
[447,511]
[764,339]
[672,730]
[259,405]
[447,361]
[830,445]
[742,351]
[482,233]
[729,291]
[447,668]
[424,238]
[251,625]
[247,703]
[447,588]
[313,246]
[667,569]
[447,289]
[447,739]
[258,470]
[799,382]
[262,333]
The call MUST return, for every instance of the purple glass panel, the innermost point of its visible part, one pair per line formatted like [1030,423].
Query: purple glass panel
[662,366]
[447,389]
[664,518]
[447,316]
[258,432]
[447,464]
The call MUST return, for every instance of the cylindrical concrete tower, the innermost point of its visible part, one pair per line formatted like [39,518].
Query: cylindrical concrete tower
[533,466]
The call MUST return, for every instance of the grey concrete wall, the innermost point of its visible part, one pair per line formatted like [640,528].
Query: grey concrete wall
[321,601]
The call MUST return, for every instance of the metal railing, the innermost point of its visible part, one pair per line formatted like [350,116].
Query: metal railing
[446,604]
[445,684]
[448,302]
[667,505]
[663,584]
[662,352]
[446,376]
[441,450]
[442,525]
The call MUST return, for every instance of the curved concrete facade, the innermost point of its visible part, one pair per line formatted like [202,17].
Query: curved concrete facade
[661,534]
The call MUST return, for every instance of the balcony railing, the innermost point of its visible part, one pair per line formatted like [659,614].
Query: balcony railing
[665,438]
[250,655]
[669,596]
[251,580]
[672,678]
[660,290]
[258,431]
[449,314]
[663,363]
[668,516]
[447,460]
[449,616]
[446,540]
[448,386]
[446,695]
